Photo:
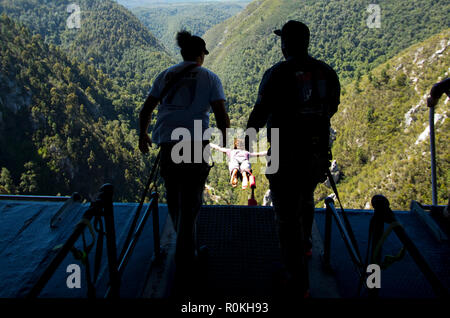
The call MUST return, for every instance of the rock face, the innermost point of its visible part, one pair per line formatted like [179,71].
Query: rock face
[267,200]
[15,97]
[332,137]
[335,173]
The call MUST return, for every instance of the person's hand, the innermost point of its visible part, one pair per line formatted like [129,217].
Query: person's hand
[144,142]
[431,102]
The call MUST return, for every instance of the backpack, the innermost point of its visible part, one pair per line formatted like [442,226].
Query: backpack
[310,111]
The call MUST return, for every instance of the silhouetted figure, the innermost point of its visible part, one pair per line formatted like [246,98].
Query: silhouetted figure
[190,98]
[298,96]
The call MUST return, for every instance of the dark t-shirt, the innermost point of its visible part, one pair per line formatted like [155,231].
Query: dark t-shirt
[298,97]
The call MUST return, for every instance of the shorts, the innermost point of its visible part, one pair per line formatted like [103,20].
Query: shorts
[242,167]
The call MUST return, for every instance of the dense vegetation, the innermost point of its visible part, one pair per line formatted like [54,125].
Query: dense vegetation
[382,144]
[70,107]
[140,3]
[245,45]
[387,151]
[165,20]
[59,133]
[110,38]
[69,97]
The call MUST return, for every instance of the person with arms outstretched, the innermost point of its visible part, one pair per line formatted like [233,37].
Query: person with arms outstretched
[239,163]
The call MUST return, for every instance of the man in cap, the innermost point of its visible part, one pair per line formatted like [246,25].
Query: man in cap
[297,96]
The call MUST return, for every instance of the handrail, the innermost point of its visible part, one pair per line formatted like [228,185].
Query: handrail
[433,158]
[33,197]
[128,250]
[151,179]
[331,211]
[152,207]
[383,214]
[103,206]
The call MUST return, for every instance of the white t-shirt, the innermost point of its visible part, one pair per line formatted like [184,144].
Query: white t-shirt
[188,100]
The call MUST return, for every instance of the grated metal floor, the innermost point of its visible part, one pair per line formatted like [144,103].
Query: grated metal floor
[243,249]
[244,253]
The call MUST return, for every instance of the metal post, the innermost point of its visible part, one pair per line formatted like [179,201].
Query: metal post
[156,238]
[63,251]
[381,204]
[433,159]
[345,237]
[377,224]
[327,242]
[106,197]
[136,234]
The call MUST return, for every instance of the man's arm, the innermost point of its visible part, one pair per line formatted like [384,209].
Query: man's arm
[222,119]
[144,121]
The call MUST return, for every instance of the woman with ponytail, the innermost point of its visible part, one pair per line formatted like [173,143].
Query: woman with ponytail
[186,93]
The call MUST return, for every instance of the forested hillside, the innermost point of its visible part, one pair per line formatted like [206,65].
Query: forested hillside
[382,143]
[245,45]
[165,20]
[140,3]
[59,132]
[110,37]
[69,97]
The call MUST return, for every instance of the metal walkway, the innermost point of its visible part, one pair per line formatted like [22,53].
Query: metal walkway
[244,253]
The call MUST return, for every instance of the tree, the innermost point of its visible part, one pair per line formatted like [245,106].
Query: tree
[28,179]
[6,182]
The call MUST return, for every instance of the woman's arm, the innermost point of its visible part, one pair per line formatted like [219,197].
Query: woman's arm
[144,121]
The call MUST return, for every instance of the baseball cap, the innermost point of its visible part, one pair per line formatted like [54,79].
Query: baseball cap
[294,30]
[198,42]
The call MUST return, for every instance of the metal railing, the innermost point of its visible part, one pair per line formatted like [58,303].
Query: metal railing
[331,212]
[102,207]
[33,198]
[128,249]
[382,214]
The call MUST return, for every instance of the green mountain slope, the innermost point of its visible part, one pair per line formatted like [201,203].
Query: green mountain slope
[140,3]
[382,145]
[245,45]
[58,132]
[110,37]
[164,20]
